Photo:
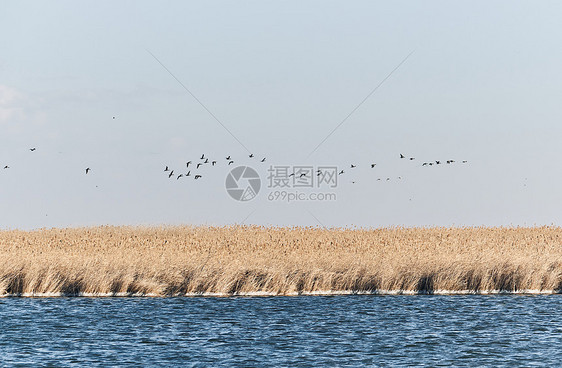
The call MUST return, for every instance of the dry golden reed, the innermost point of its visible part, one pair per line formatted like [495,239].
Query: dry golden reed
[242,260]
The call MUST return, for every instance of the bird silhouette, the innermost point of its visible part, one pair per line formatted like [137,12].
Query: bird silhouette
[464,161]
[188,162]
[197,177]
[387,179]
[412,158]
[251,155]
[206,161]
[166,169]
[32,149]
[188,173]
[228,158]
[402,156]
[199,164]
[230,162]
[263,159]
[213,163]
[373,165]
[171,174]
[303,174]
[179,176]
[114,118]
[87,170]
[6,167]
[291,174]
[341,172]
[353,166]
[202,156]
[424,164]
[437,162]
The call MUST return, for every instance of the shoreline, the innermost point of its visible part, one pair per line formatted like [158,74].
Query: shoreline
[258,294]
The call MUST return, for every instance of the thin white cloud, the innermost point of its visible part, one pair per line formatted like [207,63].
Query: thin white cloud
[11,104]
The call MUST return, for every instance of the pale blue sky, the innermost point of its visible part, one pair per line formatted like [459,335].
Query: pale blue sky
[484,84]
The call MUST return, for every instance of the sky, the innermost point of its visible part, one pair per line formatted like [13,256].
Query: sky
[478,81]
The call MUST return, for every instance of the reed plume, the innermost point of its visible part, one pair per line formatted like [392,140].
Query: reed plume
[253,260]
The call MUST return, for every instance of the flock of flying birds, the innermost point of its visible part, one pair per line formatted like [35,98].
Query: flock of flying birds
[35,149]
[195,166]
[402,157]
[206,161]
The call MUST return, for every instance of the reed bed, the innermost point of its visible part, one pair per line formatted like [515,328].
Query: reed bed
[252,260]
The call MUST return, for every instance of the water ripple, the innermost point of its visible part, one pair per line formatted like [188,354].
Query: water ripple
[336,331]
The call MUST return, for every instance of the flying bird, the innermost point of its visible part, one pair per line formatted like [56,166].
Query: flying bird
[199,164]
[263,159]
[32,149]
[303,174]
[341,172]
[6,167]
[179,176]
[230,162]
[171,174]
[87,170]
[412,158]
[228,158]
[402,156]
[202,156]
[437,162]
[206,161]
[166,169]
[188,173]
[373,166]
[114,118]
[197,177]
[464,161]
[213,163]
[424,164]
[188,162]
[353,166]
[251,155]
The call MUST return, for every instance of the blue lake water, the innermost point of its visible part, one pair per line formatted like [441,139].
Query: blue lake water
[336,331]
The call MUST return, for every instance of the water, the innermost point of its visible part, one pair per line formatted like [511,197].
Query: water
[338,331]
